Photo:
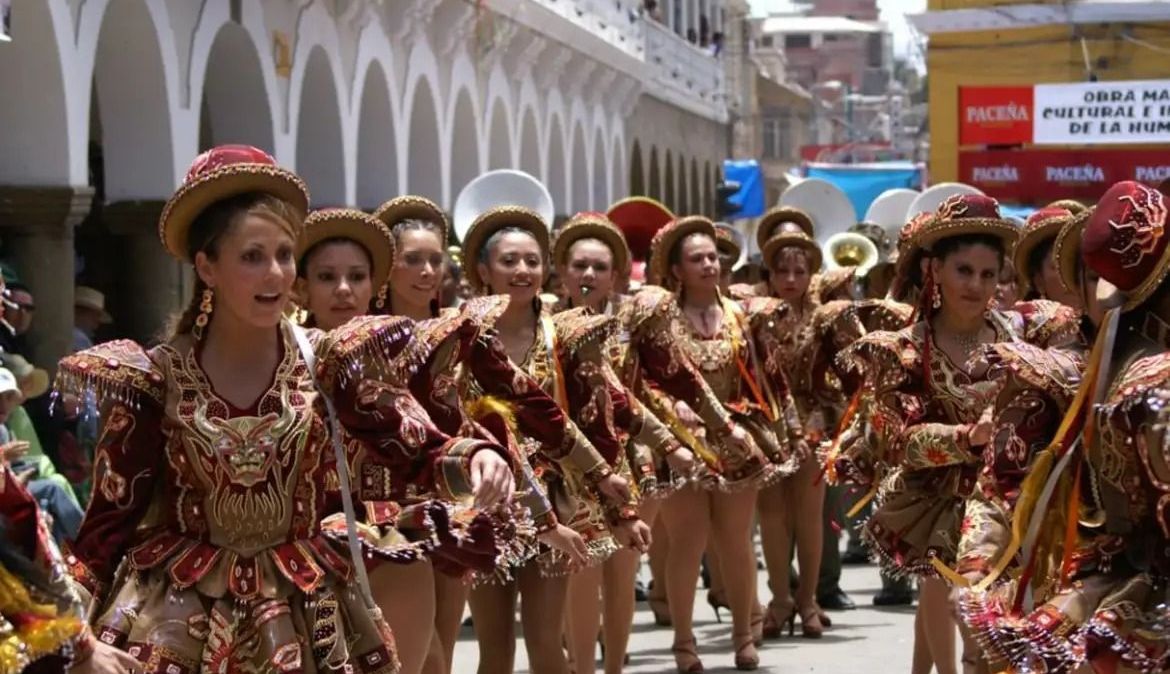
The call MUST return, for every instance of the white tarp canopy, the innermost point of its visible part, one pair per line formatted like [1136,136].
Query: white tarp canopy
[1002,17]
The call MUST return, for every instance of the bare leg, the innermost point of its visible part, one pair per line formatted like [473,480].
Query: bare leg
[731,526]
[406,595]
[806,518]
[542,613]
[617,588]
[450,600]
[583,620]
[493,608]
[687,515]
[922,662]
[659,551]
[938,623]
[773,506]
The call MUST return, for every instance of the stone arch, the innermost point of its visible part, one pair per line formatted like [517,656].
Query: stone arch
[637,179]
[499,141]
[530,143]
[134,112]
[654,176]
[696,200]
[234,107]
[684,206]
[579,177]
[320,147]
[464,138]
[669,194]
[377,156]
[601,179]
[557,174]
[39,144]
[424,175]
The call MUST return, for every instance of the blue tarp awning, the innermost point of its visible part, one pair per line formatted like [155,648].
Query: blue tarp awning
[862,183]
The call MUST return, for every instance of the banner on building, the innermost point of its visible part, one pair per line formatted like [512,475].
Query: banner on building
[1041,176]
[1082,113]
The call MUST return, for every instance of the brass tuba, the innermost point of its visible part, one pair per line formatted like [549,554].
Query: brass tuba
[850,249]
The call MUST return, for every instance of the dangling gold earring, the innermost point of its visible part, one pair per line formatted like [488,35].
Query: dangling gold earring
[204,317]
[380,302]
[936,301]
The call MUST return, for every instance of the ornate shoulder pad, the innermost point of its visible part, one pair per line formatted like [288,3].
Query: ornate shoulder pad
[432,333]
[120,370]
[831,282]
[768,312]
[1140,401]
[884,315]
[366,344]
[650,305]
[742,291]
[577,328]
[1056,372]
[486,310]
[1047,324]
[882,359]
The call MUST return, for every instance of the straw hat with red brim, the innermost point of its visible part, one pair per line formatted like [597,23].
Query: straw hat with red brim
[1126,242]
[670,236]
[221,173]
[592,226]
[639,219]
[1043,225]
[351,225]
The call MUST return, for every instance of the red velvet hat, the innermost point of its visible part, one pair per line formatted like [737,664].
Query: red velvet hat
[1125,240]
[221,173]
[639,219]
[1043,225]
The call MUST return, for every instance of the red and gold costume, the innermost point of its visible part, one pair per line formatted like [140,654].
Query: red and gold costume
[42,621]
[739,366]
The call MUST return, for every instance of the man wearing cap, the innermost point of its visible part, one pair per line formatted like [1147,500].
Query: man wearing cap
[89,314]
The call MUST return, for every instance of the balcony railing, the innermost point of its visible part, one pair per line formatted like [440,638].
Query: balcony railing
[618,22]
[685,74]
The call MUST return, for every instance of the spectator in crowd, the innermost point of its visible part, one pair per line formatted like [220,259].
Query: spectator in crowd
[19,314]
[89,314]
[652,8]
[36,472]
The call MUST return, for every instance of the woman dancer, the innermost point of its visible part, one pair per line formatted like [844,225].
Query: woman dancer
[509,247]
[719,337]
[211,469]
[419,228]
[1035,263]
[592,254]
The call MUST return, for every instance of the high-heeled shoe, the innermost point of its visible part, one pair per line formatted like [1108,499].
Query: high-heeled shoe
[661,611]
[810,623]
[746,657]
[686,658]
[716,603]
[826,621]
[776,619]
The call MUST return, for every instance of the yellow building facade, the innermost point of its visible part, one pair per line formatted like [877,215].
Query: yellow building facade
[1043,54]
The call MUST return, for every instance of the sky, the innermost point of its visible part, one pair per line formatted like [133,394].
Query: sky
[893,13]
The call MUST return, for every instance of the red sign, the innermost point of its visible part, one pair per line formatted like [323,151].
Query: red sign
[1042,176]
[995,115]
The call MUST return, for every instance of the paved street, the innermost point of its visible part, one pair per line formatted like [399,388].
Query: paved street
[864,640]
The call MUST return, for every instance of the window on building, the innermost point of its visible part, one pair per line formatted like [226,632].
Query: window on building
[777,132]
[832,37]
[797,41]
[766,41]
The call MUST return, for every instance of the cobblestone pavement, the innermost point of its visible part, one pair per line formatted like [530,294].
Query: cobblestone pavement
[864,640]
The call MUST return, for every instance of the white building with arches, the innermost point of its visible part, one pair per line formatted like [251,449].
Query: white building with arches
[105,103]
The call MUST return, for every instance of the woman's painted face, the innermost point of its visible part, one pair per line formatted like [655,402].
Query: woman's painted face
[1048,284]
[515,267]
[968,278]
[789,275]
[588,273]
[417,275]
[253,274]
[698,264]
[337,285]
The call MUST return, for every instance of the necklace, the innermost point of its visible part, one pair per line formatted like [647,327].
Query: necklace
[967,341]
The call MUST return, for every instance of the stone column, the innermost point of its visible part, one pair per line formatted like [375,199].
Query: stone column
[151,285]
[36,224]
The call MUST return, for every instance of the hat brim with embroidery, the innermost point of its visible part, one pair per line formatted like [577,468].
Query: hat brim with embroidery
[774,218]
[411,207]
[1125,240]
[959,215]
[221,173]
[1066,251]
[670,236]
[793,240]
[492,221]
[350,225]
[1043,226]
[592,226]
